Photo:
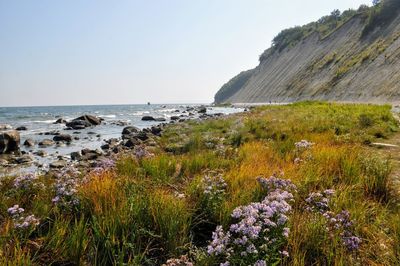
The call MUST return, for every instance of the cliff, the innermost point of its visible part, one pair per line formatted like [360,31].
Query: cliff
[353,62]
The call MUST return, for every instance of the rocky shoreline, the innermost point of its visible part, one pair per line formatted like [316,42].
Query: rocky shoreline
[132,140]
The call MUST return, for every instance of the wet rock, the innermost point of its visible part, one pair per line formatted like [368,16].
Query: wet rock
[78,124]
[76,156]
[76,138]
[50,133]
[60,121]
[174,118]
[130,143]
[63,137]
[29,143]
[46,143]
[119,123]
[91,133]
[9,141]
[21,128]
[148,118]
[130,130]
[40,153]
[92,120]
[58,164]
[156,131]
[202,110]
[88,154]
[160,119]
[26,158]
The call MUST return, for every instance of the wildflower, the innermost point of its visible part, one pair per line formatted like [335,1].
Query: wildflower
[141,152]
[182,261]
[66,188]
[297,160]
[27,222]
[303,145]
[214,186]
[104,165]
[15,211]
[21,222]
[25,181]
[250,237]
[179,195]
[260,263]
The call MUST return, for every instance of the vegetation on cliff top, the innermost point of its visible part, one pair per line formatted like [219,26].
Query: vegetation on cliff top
[330,200]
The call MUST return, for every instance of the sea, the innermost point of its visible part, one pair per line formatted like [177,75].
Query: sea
[39,120]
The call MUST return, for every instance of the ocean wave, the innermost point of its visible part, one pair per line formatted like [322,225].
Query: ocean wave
[108,116]
[44,121]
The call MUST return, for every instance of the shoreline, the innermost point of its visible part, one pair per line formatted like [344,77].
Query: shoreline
[87,154]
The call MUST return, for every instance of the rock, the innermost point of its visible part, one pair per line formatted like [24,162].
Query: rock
[40,153]
[160,119]
[130,143]
[26,158]
[202,110]
[60,121]
[91,133]
[141,135]
[130,130]
[174,118]
[119,123]
[29,143]
[46,143]
[58,164]
[21,128]
[148,118]
[93,120]
[9,141]
[5,127]
[156,131]
[78,124]
[76,156]
[88,154]
[63,137]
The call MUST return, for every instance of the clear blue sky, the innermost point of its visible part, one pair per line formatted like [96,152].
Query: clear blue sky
[128,51]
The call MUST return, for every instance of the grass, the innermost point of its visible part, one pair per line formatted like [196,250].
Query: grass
[148,210]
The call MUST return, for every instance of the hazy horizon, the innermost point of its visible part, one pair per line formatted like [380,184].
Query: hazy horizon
[128,52]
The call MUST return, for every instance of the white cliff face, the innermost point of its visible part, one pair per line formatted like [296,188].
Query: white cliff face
[339,67]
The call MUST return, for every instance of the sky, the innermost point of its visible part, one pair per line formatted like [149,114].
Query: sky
[71,52]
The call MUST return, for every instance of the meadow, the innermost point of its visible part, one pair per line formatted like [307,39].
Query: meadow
[296,184]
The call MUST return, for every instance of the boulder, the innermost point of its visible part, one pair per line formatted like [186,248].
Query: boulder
[29,143]
[21,128]
[156,131]
[26,158]
[130,130]
[40,153]
[148,118]
[58,164]
[76,156]
[160,119]
[174,118]
[93,120]
[78,124]
[60,121]
[130,143]
[46,143]
[63,137]
[202,110]
[9,141]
